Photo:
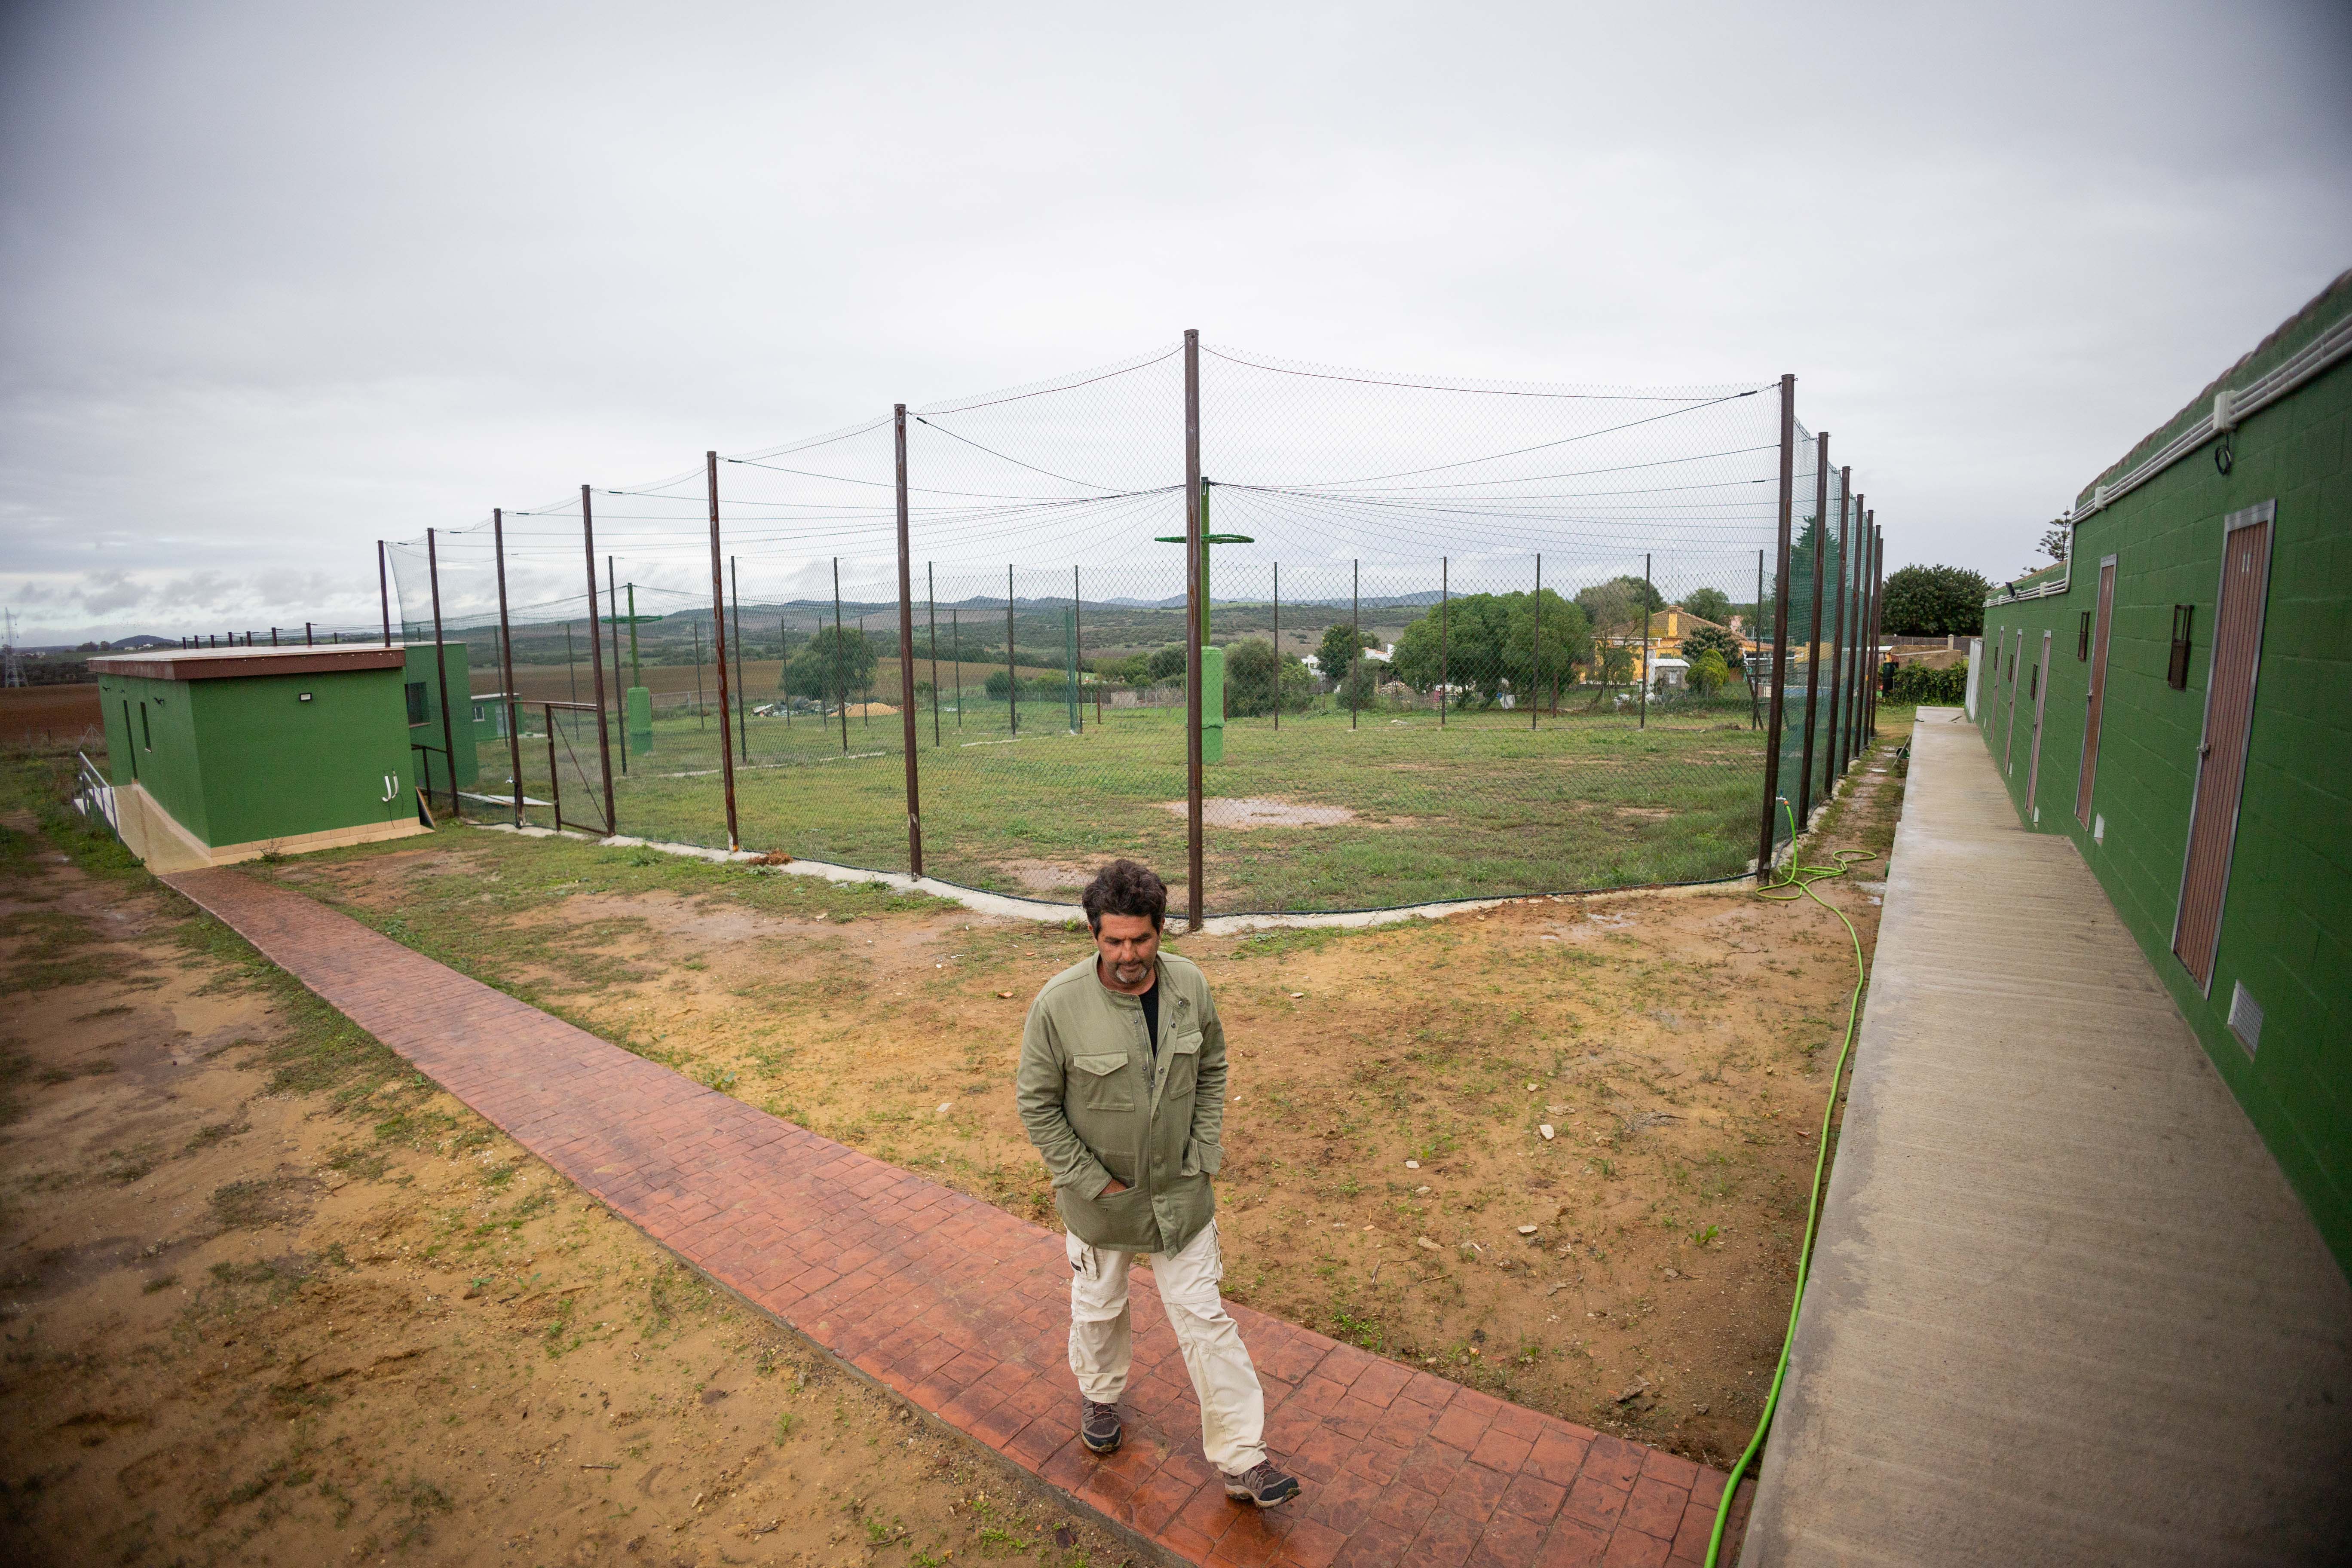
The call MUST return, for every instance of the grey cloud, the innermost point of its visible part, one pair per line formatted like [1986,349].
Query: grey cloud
[285,279]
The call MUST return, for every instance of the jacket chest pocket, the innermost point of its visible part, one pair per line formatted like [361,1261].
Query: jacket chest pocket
[1102,1083]
[1183,1060]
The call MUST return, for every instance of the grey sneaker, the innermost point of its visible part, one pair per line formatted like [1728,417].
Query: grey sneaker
[1098,1427]
[1263,1485]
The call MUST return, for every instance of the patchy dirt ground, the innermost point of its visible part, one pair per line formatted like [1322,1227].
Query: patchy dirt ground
[1386,1178]
[269,1298]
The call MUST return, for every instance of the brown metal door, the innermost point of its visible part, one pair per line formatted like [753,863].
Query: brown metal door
[2009,740]
[2228,722]
[2095,704]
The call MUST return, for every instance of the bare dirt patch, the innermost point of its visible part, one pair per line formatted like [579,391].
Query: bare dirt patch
[1063,877]
[1228,812]
[1386,1178]
[270,1297]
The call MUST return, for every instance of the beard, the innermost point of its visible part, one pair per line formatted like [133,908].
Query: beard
[1129,974]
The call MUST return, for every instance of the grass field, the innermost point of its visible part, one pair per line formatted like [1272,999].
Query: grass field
[1387,1176]
[1480,807]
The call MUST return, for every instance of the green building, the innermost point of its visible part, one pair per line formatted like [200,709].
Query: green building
[2175,698]
[223,755]
[424,734]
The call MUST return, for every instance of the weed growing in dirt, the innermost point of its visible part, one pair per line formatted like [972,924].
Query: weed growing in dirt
[260,1201]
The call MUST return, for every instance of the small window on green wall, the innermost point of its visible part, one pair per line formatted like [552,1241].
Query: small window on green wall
[146,734]
[2176,673]
[2082,638]
[417,703]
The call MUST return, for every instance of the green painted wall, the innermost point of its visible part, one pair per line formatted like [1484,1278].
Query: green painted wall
[243,758]
[2286,928]
[420,674]
[151,740]
[275,766]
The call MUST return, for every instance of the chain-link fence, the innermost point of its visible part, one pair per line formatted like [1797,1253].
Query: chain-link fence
[1463,639]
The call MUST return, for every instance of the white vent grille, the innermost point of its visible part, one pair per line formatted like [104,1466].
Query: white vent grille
[2245,1018]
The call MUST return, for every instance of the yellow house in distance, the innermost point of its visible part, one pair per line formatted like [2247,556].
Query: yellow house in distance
[1667,628]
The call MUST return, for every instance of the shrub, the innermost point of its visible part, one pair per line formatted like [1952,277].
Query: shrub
[1917,683]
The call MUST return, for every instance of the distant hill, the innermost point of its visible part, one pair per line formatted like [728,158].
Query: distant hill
[120,645]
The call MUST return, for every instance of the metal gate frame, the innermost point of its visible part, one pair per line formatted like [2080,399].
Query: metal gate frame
[554,773]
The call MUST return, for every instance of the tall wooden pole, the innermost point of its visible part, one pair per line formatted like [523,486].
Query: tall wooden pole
[1012,664]
[1445,612]
[1277,646]
[743,703]
[595,662]
[506,657]
[1860,698]
[383,591]
[613,610]
[1813,625]
[1779,624]
[718,652]
[932,598]
[1877,610]
[1197,606]
[441,664]
[1841,676]
[907,654]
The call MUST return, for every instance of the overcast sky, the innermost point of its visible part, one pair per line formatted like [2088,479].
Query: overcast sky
[282,279]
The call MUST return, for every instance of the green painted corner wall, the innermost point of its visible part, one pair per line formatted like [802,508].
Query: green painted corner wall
[420,672]
[2286,926]
[277,766]
[243,758]
[151,740]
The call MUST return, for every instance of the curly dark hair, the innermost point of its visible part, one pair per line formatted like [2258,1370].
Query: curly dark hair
[1126,887]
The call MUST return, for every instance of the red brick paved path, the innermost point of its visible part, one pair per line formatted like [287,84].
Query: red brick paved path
[965,1310]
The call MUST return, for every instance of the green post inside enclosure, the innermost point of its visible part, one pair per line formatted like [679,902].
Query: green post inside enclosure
[1213,704]
[2206,594]
[640,725]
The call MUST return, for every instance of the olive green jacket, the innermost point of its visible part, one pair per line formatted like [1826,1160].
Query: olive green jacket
[1097,1106]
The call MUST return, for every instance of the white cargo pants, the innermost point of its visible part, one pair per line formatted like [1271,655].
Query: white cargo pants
[1102,1341]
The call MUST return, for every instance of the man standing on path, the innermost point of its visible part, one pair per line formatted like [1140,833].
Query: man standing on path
[1122,1087]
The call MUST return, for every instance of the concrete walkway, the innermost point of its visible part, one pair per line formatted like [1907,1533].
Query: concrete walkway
[2065,1307]
[963,1309]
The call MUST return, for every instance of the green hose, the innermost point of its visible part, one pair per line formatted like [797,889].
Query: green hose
[1799,884]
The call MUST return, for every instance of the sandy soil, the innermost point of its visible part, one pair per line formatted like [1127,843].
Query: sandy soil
[271,1298]
[1386,1178]
[1219,811]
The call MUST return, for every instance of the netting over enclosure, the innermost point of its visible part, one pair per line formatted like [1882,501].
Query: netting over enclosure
[1466,638]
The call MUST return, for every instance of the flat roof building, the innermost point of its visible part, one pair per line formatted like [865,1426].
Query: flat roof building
[223,755]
